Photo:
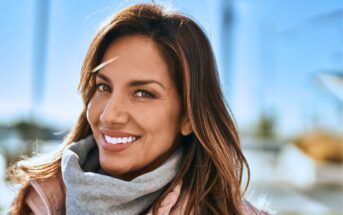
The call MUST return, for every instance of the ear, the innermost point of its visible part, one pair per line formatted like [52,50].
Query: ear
[186,127]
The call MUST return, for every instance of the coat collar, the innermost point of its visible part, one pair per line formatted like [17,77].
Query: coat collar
[48,197]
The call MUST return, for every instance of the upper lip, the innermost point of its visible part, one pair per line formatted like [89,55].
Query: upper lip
[113,133]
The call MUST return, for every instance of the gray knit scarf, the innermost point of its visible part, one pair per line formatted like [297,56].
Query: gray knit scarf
[90,191]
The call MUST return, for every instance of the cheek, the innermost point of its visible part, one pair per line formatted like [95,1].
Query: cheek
[93,111]
[161,122]
[88,115]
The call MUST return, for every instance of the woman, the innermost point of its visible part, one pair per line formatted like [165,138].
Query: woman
[154,136]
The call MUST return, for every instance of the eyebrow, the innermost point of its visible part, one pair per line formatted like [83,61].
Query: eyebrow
[133,83]
[103,77]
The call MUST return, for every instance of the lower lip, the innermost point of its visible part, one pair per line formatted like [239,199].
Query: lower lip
[115,147]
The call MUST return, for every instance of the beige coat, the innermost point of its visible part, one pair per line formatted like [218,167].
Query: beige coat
[48,198]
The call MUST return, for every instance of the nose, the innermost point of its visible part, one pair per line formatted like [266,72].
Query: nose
[115,111]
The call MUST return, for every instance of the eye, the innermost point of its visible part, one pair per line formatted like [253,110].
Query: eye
[144,94]
[103,88]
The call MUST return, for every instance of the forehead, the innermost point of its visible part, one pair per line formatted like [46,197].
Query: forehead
[137,54]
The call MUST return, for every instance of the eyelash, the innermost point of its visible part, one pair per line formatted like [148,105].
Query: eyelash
[98,87]
[147,93]
[144,93]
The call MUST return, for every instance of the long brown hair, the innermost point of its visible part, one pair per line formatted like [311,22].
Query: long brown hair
[211,172]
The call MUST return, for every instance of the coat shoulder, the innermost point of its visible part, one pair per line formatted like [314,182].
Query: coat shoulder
[47,196]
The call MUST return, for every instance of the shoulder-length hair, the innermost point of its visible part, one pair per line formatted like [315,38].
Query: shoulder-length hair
[211,172]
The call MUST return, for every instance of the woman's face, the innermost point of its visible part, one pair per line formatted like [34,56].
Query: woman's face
[135,113]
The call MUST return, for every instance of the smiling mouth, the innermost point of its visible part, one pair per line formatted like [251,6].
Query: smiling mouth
[120,140]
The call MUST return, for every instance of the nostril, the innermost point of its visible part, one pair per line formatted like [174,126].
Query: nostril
[114,118]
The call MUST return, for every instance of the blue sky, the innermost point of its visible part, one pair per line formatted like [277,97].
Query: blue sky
[277,47]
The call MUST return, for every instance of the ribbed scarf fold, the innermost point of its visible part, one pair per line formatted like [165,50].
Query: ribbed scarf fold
[90,191]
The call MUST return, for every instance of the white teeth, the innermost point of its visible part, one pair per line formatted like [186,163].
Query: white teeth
[119,140]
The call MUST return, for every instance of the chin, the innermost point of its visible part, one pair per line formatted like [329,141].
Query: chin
[110,170]
[114,170]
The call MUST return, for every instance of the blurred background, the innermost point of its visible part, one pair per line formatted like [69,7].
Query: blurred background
[281,68]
